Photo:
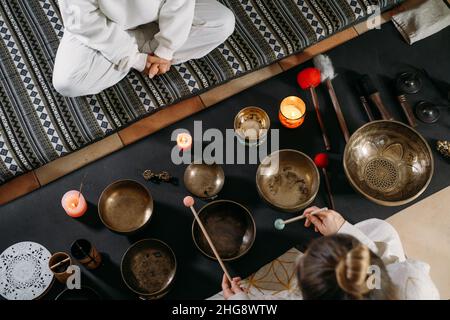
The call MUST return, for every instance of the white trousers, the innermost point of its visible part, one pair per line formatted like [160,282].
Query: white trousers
[80,70]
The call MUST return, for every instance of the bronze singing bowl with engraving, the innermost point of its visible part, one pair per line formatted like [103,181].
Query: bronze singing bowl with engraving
[388,162]
[125,206]
[148,268]
[204,180]
[231,227]
[288,180]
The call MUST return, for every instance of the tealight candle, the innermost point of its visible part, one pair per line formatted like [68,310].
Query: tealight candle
[74,204]
[292,112]
[184,141]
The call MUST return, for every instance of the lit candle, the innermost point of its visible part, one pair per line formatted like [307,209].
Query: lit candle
[292,112]
[184,141]
[74,204]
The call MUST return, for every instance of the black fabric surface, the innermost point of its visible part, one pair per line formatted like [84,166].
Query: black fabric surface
[39,216]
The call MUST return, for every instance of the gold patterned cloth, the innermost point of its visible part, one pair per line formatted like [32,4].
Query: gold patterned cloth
[275,281]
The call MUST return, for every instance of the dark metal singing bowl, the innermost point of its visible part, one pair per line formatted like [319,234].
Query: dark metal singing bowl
[288,180]
[203,180]
[148,268]
[125,206]
[388,162]
[231,227]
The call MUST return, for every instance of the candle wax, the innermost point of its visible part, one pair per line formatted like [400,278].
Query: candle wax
[291,112]
[184,141]
[74,204]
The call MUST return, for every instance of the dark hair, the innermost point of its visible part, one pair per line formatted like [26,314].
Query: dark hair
[336,268]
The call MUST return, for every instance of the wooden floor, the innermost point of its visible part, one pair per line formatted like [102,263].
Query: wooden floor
[33,180]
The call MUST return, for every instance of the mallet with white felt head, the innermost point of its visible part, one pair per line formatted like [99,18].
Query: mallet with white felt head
[324,64]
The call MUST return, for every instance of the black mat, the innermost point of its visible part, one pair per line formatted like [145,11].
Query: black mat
[39,216]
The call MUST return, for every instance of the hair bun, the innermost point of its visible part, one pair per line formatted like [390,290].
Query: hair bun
[352,271]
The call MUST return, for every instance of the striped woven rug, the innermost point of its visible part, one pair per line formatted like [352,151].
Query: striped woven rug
[38,125]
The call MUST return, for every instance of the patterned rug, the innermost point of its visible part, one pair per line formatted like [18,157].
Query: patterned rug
[275,281]
[38,125]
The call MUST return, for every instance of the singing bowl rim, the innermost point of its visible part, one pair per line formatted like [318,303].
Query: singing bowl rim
[220,173]
[260,111]
[151,205]
[163,291]
[284,208]
[248,213]
[385,202]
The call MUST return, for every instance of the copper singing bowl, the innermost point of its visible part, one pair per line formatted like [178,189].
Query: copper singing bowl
[288,180]
[388,162]
[125,206]
[148,268]
[203,180]
[230,226]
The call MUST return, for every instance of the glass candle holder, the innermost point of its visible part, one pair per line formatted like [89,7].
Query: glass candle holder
[292,112]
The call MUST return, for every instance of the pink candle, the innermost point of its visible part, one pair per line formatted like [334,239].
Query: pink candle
[184,141]
[74,204]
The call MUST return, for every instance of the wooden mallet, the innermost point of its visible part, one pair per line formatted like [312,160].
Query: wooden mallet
[189,203]
[309,79]
[321,161]
[280,223]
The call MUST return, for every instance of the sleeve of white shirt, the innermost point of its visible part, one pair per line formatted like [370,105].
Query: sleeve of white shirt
[175,23]
[379,236]
[84,19]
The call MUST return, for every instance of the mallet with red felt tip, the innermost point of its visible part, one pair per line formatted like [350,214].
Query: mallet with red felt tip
[309,79]
[321,161]
[189,203]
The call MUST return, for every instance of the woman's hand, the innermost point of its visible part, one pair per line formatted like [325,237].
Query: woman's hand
[156,66]
[230,289]
[327,223]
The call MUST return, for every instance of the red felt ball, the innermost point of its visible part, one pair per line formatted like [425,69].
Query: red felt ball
[309,77]
[321,160]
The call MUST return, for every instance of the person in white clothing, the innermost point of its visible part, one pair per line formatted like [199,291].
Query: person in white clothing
[104,39]
[344,264]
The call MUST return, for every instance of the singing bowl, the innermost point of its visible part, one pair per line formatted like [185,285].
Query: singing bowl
[288,180]
[231,227]
[388,162]
[148,268]
[125,206]
[203,180]
[251,125]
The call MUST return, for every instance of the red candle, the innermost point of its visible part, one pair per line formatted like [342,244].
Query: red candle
[184,141]
[74,204]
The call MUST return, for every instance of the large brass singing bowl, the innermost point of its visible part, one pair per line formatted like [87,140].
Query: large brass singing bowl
[231,227]
[148,268]
[203,180]
[288,180]
[125,206]
[388,162]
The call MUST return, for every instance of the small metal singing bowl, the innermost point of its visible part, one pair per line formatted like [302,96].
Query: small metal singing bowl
[203,180]
[148,268]
[231,227]
[388,162]
[251,125]
[125,206]
[288,180]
